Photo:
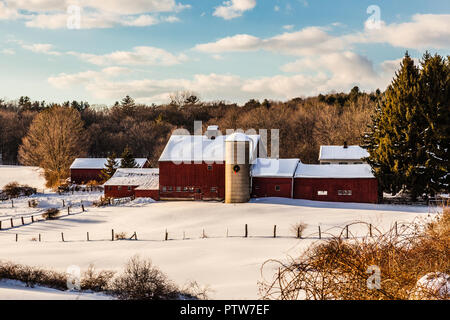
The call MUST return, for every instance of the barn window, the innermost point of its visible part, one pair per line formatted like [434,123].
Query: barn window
[256,187]
[185,189]
[210,167]
[277,188]
[164,189]
[322,193]
[119,187]
[169,188]
[343,162]
[357,163]
[129,188]
[213,189]
[344,192]
[178,189]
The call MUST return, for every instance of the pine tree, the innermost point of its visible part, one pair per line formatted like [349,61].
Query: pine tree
[110,167]
[435,99]
[128,160]
[127,106]
[393,140]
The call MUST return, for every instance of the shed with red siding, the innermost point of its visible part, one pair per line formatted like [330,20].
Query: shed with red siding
[84,170]
[128,182]
[273,177]
[338,183]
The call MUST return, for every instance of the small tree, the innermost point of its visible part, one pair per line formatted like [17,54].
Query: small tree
[110,167]
[128,160]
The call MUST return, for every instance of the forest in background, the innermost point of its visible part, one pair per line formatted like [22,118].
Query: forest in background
[304,123]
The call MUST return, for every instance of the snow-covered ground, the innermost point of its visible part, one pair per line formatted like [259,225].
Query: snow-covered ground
[230,266]
[31,176]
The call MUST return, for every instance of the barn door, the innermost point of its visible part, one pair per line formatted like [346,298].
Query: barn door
[198,195]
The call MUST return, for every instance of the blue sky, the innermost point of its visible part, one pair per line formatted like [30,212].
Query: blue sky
[222,50]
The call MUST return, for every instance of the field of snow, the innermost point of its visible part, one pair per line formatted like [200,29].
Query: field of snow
[223,260]
[31,176]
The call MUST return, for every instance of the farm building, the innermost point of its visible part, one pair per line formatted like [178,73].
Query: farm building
[273,177]
[342,154]
[83,170]
[350,183]
[135,182]
[194,167]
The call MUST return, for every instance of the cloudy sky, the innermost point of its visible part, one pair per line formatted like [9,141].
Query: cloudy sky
[234,50]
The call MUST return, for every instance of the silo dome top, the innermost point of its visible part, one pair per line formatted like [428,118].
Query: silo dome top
[238,136]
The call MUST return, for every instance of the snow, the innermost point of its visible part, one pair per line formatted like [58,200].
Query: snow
[229,265]
[333,171]
[435,282]
[238,136]
[16,290]
[188,148]
[100,163]
[284,168]
[341,153]
[32,176]
[148,179]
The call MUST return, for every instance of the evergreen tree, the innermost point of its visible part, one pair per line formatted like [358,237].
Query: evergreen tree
[128,106]
[393,141]
[128,160]
[110,167]
[435,99]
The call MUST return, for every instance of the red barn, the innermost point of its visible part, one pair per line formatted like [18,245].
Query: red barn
[193,167]
[133,182]
[83,170]
[339,183]
[273,177]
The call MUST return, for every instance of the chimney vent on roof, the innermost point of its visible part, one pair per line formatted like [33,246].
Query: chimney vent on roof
[345,145]
[212,132]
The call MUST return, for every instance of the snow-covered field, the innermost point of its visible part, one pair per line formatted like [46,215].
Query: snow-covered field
[230,266]
[31,176]
[223,260]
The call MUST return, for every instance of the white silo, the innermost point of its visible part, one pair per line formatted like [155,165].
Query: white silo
[237,168]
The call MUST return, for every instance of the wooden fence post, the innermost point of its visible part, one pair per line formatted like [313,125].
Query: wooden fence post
[64,204]
[17,237]
[68,210]
[12,224]
[12,203]
[112,235]
[396,228]
[62,236]
[370,230]
[246,231]
[82,207]
[0,225]
[346,231]
[39,237]
[87,236]
[320,233]
[275,231]
[32,218]
[227,232]
[166,236]
[298,233]
[23,221]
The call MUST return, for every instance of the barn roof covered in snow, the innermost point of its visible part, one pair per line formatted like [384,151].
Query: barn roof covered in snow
[333,171]
[147,178]
[341,153]
[99,163]
[283,168]
[188,148]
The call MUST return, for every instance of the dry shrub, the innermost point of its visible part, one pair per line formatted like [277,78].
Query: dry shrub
[51,214]
[194,289]
[337,269]
[298,228]
[143,281]
[14,190]
[96,280]
[120,236]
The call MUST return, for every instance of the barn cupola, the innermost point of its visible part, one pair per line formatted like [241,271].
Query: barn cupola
[212,132]
[345,145]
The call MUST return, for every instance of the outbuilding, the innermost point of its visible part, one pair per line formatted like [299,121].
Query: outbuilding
[273,177]
[342,154]
[340,183]
[134,182]
[84,170]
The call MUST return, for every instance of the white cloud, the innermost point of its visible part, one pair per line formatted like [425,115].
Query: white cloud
[44,48]
[288,27]
[423,32]
[149,56]
[64,80]
[52,14]
[234,8]
[7,51]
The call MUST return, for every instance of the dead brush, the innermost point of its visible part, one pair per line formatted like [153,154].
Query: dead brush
[51,214]
[338,269]
[298,229]
[121,236]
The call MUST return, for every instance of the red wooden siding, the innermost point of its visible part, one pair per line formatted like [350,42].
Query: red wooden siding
[81,176]
[267,187]
[154,194]
[119,191]
[362,189]
[191,181]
